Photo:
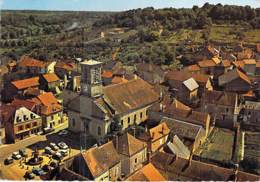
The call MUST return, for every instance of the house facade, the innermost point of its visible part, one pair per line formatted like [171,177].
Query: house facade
[133,153]
[22,125]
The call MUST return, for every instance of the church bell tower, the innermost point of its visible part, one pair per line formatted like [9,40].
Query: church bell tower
[91,82]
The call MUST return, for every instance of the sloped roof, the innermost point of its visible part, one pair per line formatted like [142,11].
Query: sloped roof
[249,61]
[191,84]
[133,94]
[196,170]
[220,98]
[239,63]
[118,79]
[206,63]
[26,83]
[27,61]
[68,175]
[100,159]
[184,75]
[159,131]
[23,103]
[66,66]
[128,144]
[183,129]
[50,77]
[107,74]
[193,67]
[178,148]
[147,173]
[233,75]
[189,116]
[49,102]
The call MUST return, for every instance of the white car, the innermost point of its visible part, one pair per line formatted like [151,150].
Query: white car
[63,145]
[58,156]
[63,132]
[48,150]
[54,146]
[16,155]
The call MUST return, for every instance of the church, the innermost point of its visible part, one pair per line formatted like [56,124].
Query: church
[99,110]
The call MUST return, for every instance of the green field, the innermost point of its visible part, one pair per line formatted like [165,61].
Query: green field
[219,145]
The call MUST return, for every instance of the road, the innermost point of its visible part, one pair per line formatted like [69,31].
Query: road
[7,149]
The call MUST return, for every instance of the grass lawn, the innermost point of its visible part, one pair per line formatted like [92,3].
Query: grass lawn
[218,145]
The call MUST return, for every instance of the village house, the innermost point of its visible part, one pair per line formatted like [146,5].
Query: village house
[180,169]
[251,115]
[155,137]
[63,69]
[50,82]
[189,89]
[150,72]
[133,152]
[175,80]
[35,67]
[19,87]
[223,107]
[186,114]
[147,173]
[21,124]
[50,110]
[103,109]
[99,163]
[191,135]
[235,81]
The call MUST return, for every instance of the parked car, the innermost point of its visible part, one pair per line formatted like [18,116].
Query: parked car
[63,152]
[29,175]
[47,168]
[38,171]
[54,146]
[8,161]
[53,164]
[48,150]
[63,145]
[63,132]
[47,130]
[57,156]
[16,155]
[23,153]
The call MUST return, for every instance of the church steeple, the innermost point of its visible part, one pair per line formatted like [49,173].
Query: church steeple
[91,82]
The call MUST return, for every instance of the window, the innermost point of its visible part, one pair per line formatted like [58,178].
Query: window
[226,109]
[141,115]
[52,117]
[135,160]
[122,122]
[73,122]
[135,118]
[20,127]
[28,126]
[128,120]
[34,124]
[146,112]
[99,130]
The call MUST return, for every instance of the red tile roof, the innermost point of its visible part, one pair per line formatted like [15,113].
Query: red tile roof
[49,102]
[65,66]
[206,63]
[27,61]
[159,131]
[51,77]
[107,74]
[26,83]
[23,103]
[118,79]
[101,159]
[147,173]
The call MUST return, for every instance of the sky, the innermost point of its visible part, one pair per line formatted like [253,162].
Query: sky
[112,5]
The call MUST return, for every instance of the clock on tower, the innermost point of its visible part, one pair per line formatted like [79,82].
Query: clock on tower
[91,83]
